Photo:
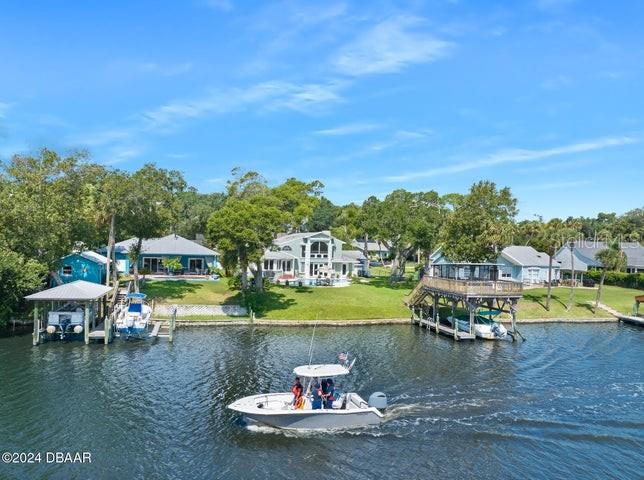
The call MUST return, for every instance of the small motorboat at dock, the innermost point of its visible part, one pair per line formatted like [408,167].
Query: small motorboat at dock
[134,320]
[484,326]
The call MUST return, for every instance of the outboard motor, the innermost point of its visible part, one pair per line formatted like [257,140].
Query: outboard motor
[378,400]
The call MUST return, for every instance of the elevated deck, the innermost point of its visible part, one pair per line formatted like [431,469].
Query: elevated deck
[466,289]
[472,293]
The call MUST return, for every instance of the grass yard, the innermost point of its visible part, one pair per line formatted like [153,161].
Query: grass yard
[189,292]
[376,299]
[533,303]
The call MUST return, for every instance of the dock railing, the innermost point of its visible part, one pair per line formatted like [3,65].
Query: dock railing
[473,287]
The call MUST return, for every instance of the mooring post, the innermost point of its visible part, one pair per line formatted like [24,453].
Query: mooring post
[173,319]
[454,322]
[471,310]
[436,313]
[36,337]
[513,311]
[107,329]
[86,321]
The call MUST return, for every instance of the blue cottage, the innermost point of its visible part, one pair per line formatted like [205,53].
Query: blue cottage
[89,266]
[194,257]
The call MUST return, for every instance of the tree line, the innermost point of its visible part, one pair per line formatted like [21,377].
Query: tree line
[52,204]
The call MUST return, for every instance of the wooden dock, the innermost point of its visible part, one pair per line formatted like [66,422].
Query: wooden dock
[98,332]
[444,329]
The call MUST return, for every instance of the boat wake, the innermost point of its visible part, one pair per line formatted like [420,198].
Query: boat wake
[255,427]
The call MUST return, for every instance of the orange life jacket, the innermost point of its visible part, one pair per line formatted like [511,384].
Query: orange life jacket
[296,390]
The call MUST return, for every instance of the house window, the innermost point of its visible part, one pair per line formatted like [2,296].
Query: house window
[286,248]
[153,264]
[265,264]
[304,250]
[195,264]
[67,269]
[319,248]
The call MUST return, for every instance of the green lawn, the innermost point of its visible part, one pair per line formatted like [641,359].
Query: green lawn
[534,300]
[375,299]
[191,292]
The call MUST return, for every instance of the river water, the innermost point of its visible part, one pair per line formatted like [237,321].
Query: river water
[568,403]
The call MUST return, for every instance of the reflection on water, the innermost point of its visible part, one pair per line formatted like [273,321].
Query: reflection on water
[567,403]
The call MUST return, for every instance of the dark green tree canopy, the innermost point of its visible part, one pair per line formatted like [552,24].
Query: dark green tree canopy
[480,225]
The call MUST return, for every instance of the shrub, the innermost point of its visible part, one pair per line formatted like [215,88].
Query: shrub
[619,279]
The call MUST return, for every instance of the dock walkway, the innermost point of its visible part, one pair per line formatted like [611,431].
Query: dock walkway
[444,329]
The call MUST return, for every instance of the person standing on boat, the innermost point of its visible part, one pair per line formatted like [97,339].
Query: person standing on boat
[330,393]
[316,391]
[297,389]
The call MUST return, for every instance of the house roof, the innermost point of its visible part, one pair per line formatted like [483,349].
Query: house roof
[634,251]
[526,256]
[371,245]
[300,235]
[270,255]
[350,256]
[91,256]
[169,245]
[563,257]
[94,257]
[80,290]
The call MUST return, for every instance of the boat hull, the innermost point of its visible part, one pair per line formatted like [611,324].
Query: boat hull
[486,331]
[273,410]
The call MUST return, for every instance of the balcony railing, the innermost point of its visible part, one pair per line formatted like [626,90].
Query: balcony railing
[474,287]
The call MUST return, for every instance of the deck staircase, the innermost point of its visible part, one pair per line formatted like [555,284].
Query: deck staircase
[417,295]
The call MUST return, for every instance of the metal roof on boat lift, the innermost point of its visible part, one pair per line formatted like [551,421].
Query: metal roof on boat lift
[80,290]
[328,370]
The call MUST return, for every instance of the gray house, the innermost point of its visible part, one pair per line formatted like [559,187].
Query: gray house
[526,265]
[375,249]
[310,257]
[585,252]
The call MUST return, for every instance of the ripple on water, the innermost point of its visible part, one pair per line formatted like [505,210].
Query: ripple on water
[567,403]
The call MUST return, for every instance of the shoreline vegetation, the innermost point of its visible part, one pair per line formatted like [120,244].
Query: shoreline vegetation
[370,301]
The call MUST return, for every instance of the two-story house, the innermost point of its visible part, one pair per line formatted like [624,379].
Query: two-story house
[310,257]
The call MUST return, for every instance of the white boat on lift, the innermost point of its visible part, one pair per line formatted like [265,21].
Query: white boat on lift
[348,411]
[484,326]
[133,321]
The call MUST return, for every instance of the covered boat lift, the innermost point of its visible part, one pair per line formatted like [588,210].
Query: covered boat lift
[91,297]
[473,285]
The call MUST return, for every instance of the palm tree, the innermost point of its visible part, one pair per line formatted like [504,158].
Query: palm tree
[614,260]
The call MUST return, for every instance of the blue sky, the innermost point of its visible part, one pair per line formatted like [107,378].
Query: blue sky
[544,96]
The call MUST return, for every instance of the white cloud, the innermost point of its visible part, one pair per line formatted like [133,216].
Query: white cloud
[267,95]
[348,129]
[515,156]
[166,118]
[122,153]
[413,134]
[389,47]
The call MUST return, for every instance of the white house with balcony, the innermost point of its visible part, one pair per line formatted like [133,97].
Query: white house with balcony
[310,258]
